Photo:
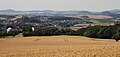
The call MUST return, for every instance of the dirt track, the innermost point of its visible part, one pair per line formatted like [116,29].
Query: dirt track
[59,46]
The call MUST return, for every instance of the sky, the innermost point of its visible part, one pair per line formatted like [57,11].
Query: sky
[92,5]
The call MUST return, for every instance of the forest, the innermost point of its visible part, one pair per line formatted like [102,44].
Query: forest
[100,32]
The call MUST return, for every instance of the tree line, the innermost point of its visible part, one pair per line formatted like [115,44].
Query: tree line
[103,32]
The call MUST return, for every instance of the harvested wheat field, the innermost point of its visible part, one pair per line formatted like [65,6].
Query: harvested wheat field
[58,46]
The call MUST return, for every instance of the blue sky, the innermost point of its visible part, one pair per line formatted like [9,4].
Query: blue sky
[95,5]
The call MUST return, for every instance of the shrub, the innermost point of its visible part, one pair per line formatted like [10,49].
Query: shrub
[3,33]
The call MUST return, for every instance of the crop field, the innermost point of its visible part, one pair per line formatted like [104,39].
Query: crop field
[104,20]
[58,46]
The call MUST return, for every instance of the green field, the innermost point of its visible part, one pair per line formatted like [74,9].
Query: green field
[101,20]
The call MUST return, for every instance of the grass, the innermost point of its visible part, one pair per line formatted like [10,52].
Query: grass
[58,46]
[19,35]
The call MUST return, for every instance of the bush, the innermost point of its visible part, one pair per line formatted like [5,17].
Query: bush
[3,33]
[12,33]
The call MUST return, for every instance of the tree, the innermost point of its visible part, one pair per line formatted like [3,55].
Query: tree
[81,31]
[92,32]
[117,36]
[101,33]
[106,32]
[26,28]
[84,17]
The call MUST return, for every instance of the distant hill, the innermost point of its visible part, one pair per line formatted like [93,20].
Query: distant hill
[41,11]
[106,13]
[109,13]
[115,11]
[9,10]
[85,12]
[46,11]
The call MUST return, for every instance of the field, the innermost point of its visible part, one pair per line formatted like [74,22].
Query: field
[101,20]
[94,16]
[58,46]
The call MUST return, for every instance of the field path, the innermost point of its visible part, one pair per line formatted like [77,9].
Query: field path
[58,46]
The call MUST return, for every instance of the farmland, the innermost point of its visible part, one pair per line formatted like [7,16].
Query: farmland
[58,46]
[101,20]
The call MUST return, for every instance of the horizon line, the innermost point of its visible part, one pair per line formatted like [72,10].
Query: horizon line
[60,10]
